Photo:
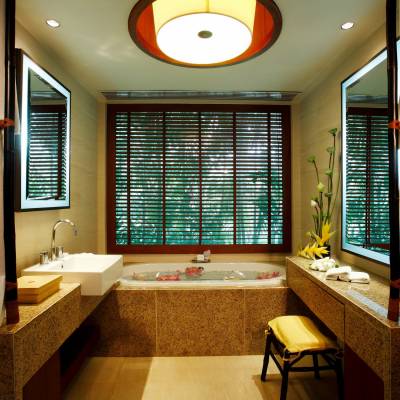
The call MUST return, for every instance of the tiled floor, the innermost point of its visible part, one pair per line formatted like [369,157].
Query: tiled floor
[191,378]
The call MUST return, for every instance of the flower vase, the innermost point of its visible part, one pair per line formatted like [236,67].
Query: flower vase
[328,249]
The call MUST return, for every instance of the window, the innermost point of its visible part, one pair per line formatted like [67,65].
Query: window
[367,180]
[187,178]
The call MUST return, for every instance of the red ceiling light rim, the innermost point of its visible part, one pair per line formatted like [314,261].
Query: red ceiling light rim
[267,28]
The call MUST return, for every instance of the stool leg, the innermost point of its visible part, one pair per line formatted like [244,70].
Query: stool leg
[285,380]
[339,378]
[316,367]
[268,343]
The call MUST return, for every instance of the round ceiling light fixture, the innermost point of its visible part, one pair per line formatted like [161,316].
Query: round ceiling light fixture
[204,33]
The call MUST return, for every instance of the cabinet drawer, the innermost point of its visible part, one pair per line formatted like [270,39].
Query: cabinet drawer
[329,310]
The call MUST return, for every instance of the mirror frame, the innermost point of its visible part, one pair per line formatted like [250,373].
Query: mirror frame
[22,203]
[345,246]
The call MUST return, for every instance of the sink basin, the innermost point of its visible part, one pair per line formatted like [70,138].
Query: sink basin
[95,272]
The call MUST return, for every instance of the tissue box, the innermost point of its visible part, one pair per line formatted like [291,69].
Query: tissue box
[34,289]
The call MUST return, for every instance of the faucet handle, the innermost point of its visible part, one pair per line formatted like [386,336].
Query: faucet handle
[43,257]
[59,252]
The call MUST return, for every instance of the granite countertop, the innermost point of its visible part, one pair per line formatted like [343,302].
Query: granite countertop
[372,298]
[28,312]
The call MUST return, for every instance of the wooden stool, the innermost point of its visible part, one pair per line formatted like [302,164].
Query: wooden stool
[295,337]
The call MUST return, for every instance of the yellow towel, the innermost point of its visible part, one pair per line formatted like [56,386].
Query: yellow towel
[298,333]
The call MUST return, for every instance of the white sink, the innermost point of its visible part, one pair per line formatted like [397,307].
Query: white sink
[95,272]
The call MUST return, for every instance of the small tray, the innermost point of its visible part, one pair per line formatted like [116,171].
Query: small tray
[33,289]
[200,262]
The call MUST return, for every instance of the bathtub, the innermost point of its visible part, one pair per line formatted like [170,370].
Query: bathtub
[191,318]
[234,275]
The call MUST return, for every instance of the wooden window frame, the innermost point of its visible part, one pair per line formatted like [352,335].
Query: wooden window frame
[286,246]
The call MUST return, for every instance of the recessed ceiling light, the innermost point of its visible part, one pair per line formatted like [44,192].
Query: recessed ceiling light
[347,25]
[52,23]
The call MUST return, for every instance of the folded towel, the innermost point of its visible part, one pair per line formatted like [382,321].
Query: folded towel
[355,277]
[334,273]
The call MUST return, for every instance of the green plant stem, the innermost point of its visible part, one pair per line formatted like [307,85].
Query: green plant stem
[333,166]
[316,171]
[315,218]
[322,218]
[321,214]
[337,191]
[330,176]
[320,201]
[330,210]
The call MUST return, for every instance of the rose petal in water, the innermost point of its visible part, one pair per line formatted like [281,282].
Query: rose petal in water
[169,277]
[268,275]
[194,271]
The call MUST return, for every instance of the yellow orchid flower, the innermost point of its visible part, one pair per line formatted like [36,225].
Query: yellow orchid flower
[303,252]
[321,251]
[325,234]
[313,251]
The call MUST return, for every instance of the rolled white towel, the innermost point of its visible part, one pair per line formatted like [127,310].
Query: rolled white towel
[323,264]
[334,273]
[355,277]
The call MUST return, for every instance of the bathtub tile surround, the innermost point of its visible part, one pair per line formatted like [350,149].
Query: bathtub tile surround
[257,314]
[200,322]
[264,305]
[167,322]
[89,303]
[127,320]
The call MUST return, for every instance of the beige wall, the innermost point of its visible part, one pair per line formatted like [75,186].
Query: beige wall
[33,228]
[101,177]
[101,211]
[320,111]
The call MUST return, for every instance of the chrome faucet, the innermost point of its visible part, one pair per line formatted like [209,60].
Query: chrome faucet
[53,235]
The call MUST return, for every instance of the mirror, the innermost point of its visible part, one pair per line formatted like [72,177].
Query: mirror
[43,146]
[365,162]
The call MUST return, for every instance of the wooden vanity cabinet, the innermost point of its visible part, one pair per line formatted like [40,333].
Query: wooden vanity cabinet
[46,383]
[370,342]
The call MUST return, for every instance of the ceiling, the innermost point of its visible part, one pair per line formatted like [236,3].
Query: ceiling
[94,45]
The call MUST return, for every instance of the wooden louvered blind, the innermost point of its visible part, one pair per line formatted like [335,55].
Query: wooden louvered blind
[187,178]
[46,173]
[367,179]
